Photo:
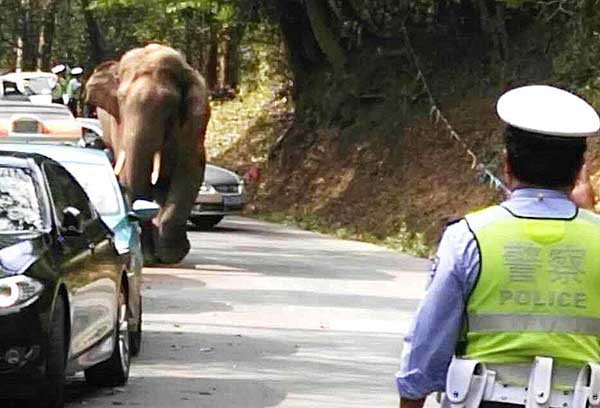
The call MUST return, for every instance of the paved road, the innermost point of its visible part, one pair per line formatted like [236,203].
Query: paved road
[260,315]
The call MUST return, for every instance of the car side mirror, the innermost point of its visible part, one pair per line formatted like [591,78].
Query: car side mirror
[72,222]
[143,210]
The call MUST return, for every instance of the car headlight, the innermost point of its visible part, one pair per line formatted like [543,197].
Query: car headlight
[18,291]
[207,189]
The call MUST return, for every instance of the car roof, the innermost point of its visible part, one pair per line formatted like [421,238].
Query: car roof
[5,103]
[26,75]
[60,153]
[17,158]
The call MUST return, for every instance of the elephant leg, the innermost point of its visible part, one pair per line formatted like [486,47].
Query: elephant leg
[171,222]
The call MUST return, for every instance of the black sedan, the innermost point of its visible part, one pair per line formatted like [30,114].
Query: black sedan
[63,287]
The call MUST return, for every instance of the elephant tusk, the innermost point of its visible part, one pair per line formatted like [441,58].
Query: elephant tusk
[120,163]
[155,168]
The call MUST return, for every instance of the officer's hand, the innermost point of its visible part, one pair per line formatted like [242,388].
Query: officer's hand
[583,193]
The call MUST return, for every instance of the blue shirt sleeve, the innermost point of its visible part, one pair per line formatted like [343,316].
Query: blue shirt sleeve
[431,342]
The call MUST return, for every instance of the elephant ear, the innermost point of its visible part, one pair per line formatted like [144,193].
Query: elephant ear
[101,88]
[195,107]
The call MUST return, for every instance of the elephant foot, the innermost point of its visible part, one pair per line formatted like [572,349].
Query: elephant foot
[173,253]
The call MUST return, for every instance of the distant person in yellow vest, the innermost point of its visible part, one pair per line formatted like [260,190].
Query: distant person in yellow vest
[61,85]
[512,313]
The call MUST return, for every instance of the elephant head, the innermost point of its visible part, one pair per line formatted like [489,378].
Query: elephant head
[154,109]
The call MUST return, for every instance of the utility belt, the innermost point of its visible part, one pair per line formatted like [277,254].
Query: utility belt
[470,382]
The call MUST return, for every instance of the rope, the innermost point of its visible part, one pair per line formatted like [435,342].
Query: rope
[437,117]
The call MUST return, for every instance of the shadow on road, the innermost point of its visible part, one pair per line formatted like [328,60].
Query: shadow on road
[174,370]
[175,392]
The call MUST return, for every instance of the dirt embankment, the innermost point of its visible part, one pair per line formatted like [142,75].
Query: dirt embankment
[398,185]
[377,168]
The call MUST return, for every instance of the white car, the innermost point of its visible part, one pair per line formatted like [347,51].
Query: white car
[221,194]
[35,86]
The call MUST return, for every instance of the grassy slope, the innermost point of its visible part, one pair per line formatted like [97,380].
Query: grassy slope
[395,187]
[376,170]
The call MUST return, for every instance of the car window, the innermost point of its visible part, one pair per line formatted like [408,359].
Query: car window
[66,192]
[98,182]
[20,208]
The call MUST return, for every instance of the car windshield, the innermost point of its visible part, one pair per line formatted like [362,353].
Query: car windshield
[19,204]
[98,182]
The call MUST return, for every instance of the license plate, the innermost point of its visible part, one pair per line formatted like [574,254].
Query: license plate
[232,201]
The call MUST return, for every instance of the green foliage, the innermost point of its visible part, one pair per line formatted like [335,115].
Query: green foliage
[577,62]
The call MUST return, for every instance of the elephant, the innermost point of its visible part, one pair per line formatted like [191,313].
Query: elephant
[154,110]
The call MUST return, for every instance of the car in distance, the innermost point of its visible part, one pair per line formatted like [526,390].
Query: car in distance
[34,86]
[92,133]
[63,285]
[93,171]
[22,120]
[222,193]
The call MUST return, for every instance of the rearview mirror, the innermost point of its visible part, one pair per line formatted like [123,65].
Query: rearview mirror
[144,210]
[72,221]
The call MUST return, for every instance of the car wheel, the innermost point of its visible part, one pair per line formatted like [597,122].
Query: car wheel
[52,394]
[115,370]
[135,339]
[207,221]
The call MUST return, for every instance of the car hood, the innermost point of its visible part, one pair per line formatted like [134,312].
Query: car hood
[18,252]
[218,175]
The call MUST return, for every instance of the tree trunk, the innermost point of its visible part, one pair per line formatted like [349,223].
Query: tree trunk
[304,53]
[40,49]
[27,37]
[223,58]
[233,58]
[47,36]
[211,65]
[95,37]
[320,22]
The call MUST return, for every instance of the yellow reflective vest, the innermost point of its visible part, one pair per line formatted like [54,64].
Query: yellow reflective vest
[538,290]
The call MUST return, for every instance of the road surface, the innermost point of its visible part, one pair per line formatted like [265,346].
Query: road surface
[260,315]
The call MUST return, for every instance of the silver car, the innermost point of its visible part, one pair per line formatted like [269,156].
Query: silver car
[221,194]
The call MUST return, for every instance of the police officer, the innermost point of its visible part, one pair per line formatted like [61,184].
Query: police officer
[520,279]
[61,84]
[73,90]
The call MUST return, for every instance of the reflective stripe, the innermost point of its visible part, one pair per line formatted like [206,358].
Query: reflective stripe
[518,374]
[490,323]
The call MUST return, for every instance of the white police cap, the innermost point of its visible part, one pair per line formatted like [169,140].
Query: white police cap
[77,71]
[58,69]
[548,111]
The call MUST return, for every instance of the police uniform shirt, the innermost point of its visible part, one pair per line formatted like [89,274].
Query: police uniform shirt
[430,344]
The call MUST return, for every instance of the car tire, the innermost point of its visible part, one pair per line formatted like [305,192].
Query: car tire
[135,339]
[52,393]
[207,221]
[114,371]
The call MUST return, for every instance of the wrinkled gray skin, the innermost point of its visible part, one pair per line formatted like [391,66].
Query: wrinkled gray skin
[153,101]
